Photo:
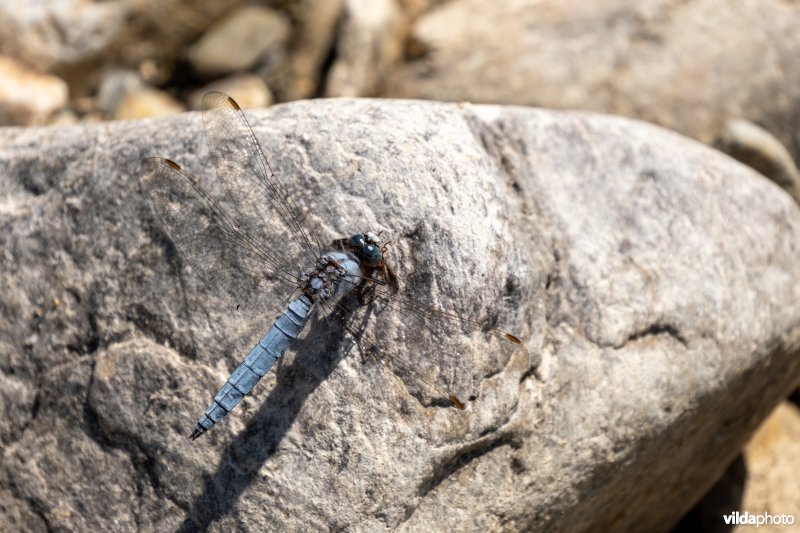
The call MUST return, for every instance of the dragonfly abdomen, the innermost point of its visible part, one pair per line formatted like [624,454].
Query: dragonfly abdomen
[257,363]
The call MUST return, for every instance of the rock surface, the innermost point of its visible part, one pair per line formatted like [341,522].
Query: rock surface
[654,280]
[689,66]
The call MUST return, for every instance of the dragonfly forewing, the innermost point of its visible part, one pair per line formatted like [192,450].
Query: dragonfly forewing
[442,357]
[235,263]
[260,200]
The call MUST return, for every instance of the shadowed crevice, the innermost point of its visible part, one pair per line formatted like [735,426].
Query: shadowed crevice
[145,465]
[659,329]
[464,457]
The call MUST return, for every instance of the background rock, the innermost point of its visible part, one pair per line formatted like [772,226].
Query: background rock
[147,102]
[758,149]
[691,67]
[70,38]
[239,41]
[369,45]
[26,96]
[654,281]
[115,86]
[54,34]
[314,39]
[772,457]
[248,91]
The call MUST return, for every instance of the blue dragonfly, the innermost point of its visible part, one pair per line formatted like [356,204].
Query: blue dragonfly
[246,239]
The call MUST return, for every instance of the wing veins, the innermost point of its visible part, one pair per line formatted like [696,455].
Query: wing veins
[220,112]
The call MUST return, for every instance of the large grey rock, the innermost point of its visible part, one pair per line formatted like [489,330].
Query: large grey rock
[654,280]
[689,66]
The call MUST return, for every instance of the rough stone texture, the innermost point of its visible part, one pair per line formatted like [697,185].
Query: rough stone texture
[689,66]
[654,280]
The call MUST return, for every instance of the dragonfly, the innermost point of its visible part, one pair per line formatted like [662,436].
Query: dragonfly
[246,239]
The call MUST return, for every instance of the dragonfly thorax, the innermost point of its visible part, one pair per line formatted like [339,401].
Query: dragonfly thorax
[329,272]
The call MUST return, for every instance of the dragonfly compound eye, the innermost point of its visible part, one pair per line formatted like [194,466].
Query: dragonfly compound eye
[372,254]
[357,240]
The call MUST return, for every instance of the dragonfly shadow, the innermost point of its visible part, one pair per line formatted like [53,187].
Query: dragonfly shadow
[317,357]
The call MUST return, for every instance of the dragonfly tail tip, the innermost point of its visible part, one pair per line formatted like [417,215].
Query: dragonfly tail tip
[196,433]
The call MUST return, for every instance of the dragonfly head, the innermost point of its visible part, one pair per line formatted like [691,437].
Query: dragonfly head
[367,247]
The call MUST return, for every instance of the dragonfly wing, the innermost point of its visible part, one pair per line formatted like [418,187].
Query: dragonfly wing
[236,264]
[261,203]
[441,357]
